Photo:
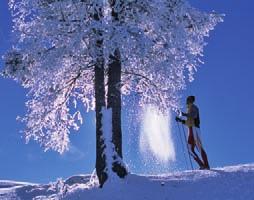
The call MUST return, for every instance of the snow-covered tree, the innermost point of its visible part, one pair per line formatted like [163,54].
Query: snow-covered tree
[93,51]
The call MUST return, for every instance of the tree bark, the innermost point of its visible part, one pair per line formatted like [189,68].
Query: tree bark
[100,102]
[114,99]
[114,102]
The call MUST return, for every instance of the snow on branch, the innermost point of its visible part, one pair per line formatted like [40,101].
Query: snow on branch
[161,43]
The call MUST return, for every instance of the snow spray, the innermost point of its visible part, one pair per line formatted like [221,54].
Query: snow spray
[155,137]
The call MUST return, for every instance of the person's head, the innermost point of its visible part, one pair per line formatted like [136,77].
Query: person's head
[190,100]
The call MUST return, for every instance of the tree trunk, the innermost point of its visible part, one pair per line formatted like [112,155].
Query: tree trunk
[100,102]
[114,102]
[114,98]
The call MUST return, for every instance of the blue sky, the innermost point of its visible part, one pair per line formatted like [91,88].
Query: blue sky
[223,87]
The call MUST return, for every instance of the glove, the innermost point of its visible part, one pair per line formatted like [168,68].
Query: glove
[183,114]
[178,119]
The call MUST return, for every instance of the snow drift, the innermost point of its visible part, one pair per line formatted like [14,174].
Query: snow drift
[229,183]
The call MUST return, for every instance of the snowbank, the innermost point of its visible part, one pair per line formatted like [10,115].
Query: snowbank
[229,183]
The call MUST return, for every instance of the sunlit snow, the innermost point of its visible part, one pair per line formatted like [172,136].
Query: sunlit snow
[231,183]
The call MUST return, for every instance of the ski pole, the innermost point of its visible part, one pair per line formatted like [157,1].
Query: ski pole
[187,147]
[181,139]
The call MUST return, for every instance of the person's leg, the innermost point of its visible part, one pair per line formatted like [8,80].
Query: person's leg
[204,158]
[196,158]
[200,148]
[191,145]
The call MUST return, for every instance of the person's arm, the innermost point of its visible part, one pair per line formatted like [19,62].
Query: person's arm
[193,113]
[178,119]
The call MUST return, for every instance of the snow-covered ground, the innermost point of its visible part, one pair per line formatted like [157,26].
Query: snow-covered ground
[229,183]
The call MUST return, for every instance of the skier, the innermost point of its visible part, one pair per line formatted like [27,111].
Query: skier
[193,124]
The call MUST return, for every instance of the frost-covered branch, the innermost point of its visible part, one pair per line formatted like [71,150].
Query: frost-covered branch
[161,44]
